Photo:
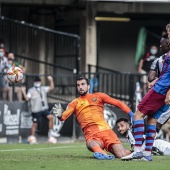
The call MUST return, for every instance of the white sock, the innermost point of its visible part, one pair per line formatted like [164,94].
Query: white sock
[147,153]
[137,149]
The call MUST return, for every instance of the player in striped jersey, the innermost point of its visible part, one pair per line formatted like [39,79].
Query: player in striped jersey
[160,147]
[154,73]
[154,102]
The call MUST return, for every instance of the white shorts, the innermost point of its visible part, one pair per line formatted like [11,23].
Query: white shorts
[164,117]
[166,152]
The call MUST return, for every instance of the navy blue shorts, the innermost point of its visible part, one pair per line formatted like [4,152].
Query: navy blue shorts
[36,117]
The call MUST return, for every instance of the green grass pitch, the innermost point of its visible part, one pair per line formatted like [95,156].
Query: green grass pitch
[73,156]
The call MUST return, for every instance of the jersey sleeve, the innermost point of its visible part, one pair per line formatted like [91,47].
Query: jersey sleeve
[109,100]
[46,89]
[69,110]
[130,138]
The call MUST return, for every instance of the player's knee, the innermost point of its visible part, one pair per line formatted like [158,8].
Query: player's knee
[138,115]
[90,144]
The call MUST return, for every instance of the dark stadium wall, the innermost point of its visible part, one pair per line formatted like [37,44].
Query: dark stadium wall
[117,42]
[117,45]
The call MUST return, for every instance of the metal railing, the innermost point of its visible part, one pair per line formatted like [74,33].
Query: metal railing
[37,43]
[121,86]
[41,50]
[45,52]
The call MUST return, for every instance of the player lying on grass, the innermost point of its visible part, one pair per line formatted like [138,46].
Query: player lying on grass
[88,109]
[160,147]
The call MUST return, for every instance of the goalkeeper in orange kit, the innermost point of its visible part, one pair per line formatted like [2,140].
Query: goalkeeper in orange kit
[88,109]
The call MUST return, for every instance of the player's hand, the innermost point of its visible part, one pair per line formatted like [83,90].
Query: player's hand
[151,84]
[50,78]
[57,110]
[23,88]
[167,99]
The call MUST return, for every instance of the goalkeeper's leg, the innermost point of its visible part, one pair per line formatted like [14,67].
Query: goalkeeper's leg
[97,147]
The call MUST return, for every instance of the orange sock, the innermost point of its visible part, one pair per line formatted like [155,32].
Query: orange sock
[98,149]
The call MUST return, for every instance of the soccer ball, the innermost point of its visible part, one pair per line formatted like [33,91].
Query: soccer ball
[32,139]
[14,74]
[52,140]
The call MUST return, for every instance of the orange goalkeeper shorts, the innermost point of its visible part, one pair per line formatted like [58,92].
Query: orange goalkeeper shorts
[106,137]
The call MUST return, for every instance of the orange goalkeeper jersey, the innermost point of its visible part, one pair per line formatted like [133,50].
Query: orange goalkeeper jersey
[89,112]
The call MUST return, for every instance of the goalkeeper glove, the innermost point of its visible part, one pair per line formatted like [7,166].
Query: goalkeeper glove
[57,110]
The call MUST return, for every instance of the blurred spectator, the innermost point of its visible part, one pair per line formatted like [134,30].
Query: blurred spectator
[15,63]
[15,87]
[10,88]
[7,82]
[144,65]
[3,65]
[37,96]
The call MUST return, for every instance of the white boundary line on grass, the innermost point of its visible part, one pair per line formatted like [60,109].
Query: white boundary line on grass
[59,147]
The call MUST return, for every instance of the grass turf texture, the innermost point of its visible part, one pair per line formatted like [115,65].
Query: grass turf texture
[67,156]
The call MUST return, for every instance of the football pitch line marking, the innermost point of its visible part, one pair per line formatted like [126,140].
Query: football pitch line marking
[59,147]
